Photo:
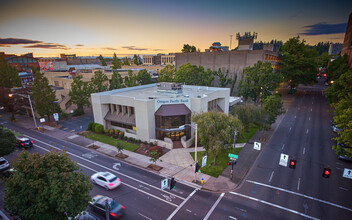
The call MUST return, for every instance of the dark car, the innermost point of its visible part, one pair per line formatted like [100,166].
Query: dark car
[97,205]
[343,153]
[25,142]
[4,164]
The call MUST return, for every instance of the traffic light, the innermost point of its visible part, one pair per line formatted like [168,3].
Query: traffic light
[172,183]
[232,162]
[292,163]
[197,167]
[326,172]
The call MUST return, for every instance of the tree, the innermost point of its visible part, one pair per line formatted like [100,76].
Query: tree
[298,62]
[102,60]
[250,114]
[225,80]
[193,75]
[154,156]
[322,47]
[80,93]
[343,119]
[125,62]
[340,89]
[215,131]
[143,77]
[8,75]
[337,68]
[258,82]
[188,49]
[274,107]
[136,60]
[43,95]
[116,63]
[131,79]
[98,82]
[46,186]
[116,81]
[324,59]
[167,74]
[8,141]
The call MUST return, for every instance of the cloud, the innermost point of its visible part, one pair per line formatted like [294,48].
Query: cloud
[158,49]
[324,28]
[133,48]
[48,46]
[108,48]
[15,41]
[79,45]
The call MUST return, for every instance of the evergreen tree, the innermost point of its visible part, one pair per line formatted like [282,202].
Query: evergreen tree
[98,82]
[43,95]
[80,93]
[116,81]
[116,63]
[131,79]
[135,59]
[144,77]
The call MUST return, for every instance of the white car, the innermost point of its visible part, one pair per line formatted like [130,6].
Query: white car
[105,179]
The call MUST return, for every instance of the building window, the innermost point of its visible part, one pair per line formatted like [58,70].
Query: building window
[56,83]
[132,110]
[121,125]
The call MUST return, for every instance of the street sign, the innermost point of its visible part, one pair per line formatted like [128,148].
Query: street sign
[164,184]
[233,156]
[347,173]
[257,145]
[204,161]
[56,116]
[283,160]
[42,120]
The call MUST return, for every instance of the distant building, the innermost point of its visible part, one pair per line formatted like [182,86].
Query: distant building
[23,63]
[347,43]
[335,49]
[217,47]
[168,59]
[148,60]
[159,59]
[245,41]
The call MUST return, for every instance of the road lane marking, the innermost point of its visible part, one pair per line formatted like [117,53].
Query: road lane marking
[299,182]
[343,188]
[271,176]
[188,210]
[180,206]
[274,205]
[122,174]
[144,216]
[304,150]
[290,129]
[213,207]
[309,118]
[295,116]
[232,218]
[283,146]
[311,109]
[299,194]
[307,131]
[123,183]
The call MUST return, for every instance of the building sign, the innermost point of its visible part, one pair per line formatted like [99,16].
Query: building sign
[172,101]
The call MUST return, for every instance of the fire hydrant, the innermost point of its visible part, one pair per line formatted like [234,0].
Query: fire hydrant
[202,181]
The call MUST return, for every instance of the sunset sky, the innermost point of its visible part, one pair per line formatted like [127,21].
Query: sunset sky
[90,28]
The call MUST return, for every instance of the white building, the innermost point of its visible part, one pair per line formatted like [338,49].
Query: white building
[156,112]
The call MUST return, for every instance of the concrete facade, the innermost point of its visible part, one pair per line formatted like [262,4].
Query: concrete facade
[233,61]
[134,110]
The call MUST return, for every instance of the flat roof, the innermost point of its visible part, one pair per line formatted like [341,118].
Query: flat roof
[147,92]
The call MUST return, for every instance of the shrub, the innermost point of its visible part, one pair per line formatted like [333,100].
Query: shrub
[130,139]
[145,142]
[99,128]
[106,131]
[63,115]
[90,126]
[111,132]
[151,143]
[78,112]
[139,141]
[121,134]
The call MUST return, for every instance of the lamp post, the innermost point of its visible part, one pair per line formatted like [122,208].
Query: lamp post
[234,146]
[195,155]
[30,103]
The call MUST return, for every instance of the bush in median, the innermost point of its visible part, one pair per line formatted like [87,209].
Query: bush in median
[90,126]
[98,128]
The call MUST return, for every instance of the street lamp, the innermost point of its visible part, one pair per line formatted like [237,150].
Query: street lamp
[30,103]
[195,155]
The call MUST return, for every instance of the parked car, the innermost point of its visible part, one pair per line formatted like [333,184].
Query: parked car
[7,173]
[25,142]
[345,157]
[105,179]
[97,205]
[4,164]
[342,152]
[336,129]
[85,216]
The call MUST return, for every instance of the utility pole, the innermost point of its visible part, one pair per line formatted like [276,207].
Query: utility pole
[231,40]
[234,146]
[107,213]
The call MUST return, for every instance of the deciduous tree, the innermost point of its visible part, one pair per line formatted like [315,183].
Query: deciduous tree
[274,107]
[80,93]
[215,131]
[188,48]
[193,75]
[259,81]
[8,75]
[298,62]
[8,141]
[48,186]
[143,77]
[167,74]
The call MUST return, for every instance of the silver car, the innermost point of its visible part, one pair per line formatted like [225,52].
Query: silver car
[4,164]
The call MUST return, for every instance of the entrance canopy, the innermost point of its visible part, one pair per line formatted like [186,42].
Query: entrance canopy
[173,110]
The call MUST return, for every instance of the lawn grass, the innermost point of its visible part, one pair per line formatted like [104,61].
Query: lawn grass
[112,141]
[223,158]
[248,135]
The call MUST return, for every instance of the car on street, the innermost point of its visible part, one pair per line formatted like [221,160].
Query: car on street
[105,179]
[25,143]
[97,205]
[342,152]
[4,164]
